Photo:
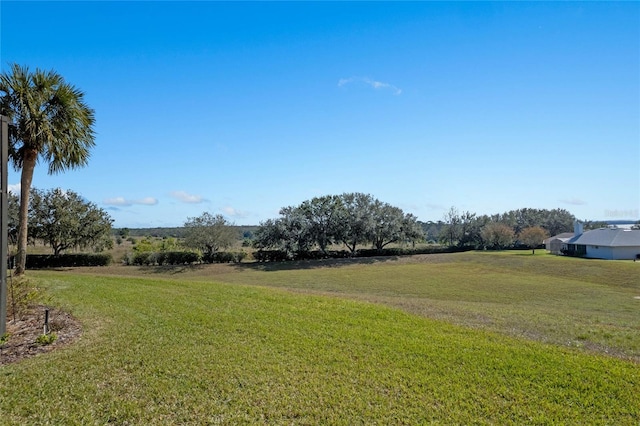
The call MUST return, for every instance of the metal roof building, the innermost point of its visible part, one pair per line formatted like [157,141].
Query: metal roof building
[606,243]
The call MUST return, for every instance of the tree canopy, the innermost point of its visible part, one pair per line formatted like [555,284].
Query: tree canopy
[497,235]
[64,220]
[209,233]
[466,229]
[350,219]
[532,237]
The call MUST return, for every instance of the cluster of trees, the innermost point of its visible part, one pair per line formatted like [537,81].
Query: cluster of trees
[350,219]
[62,220]
[523,226]
[204,238]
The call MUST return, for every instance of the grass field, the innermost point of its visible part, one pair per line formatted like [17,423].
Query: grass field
[482,338]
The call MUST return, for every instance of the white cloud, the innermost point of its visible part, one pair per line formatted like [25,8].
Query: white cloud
[573,201]
[121,201]
[368,81]
[147,201]
[187,198]
[230,211]
[116,201]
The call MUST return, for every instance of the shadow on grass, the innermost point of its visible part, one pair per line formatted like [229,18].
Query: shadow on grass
[312,264]
[305,264]
[267,266]
[171,269]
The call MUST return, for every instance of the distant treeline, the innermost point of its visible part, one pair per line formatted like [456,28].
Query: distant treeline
[176,232]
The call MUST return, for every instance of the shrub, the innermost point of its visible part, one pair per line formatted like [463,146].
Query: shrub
[271,256]
[180,257]
[41,261]
[224,257]
[46,339]
[21,295]
[280,256]
[161,258]
[141,258]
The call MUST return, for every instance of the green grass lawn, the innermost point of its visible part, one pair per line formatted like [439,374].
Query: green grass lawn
[566,301]
[304,344]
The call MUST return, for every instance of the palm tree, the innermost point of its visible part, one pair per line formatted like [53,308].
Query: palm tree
[49,121]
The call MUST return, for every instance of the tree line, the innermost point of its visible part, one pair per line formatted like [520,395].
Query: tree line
[349,219]
[498,230]
[520,227]
[356,220]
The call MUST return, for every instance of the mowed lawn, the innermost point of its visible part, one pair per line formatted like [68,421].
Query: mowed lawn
[451,339]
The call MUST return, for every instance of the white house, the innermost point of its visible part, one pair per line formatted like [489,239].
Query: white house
[604,243]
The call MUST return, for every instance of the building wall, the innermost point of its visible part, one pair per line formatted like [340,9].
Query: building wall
[554,246]
[622,253]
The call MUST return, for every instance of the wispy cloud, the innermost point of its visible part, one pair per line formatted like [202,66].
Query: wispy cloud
[123,202]
[187,198]
[573,201]
[231,212]
[433,206]
[378,85]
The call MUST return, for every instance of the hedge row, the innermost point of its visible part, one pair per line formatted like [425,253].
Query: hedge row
[40,261]
[162,258]
[411,251]
[225,257]
[148,258]
[281,255]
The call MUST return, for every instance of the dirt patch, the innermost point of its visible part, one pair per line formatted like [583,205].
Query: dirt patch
[24,332]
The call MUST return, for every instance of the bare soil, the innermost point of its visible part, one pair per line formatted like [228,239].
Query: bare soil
[25,330]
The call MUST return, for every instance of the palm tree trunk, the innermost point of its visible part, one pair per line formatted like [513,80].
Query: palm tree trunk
[28,165]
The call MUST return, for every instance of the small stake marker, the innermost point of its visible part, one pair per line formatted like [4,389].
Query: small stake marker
[46,322]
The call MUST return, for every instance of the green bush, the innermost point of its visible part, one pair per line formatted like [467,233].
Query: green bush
[41,261]
[317,254]
[179,258]
[271,256]
[162,258]
[46,339]
[281,256]
[225,257]
[399,251]
[141,258]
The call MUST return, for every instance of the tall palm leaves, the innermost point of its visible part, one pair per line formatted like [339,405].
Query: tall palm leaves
[50,122]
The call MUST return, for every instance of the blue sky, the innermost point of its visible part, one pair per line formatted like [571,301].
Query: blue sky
[243,108]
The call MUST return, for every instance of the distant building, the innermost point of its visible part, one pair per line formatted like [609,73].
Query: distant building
[555,244]
[604,243]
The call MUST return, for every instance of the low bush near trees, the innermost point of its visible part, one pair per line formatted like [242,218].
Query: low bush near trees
[39,261]
[147,258]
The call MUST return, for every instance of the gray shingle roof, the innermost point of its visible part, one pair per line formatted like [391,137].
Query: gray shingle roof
[608,237]
[562,236]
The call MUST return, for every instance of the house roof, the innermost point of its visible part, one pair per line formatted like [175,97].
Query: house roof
[564,236]
[608,237]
